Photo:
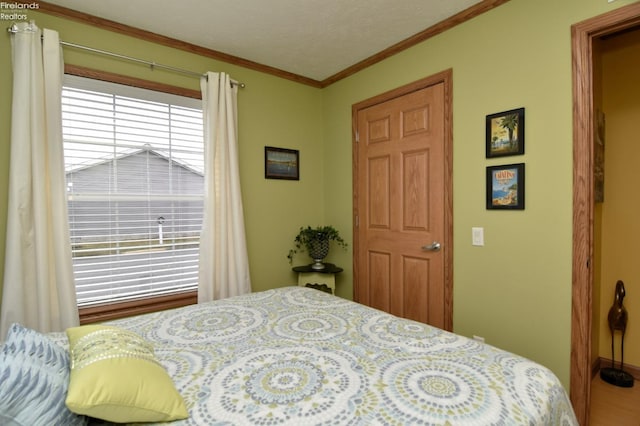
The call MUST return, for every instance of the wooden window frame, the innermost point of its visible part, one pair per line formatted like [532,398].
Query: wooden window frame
[111,311]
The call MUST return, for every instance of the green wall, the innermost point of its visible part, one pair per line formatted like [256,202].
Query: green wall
[516,290]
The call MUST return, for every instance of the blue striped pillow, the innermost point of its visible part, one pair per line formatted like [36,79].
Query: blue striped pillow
[34,377]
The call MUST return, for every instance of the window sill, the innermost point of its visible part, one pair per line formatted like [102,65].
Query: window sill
[111,311]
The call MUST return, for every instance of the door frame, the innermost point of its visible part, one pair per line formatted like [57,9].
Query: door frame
[445,77]
[582,39]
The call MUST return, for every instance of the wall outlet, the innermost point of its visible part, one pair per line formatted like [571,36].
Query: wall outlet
[478,338]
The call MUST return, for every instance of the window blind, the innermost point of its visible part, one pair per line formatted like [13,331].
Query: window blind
[134,166]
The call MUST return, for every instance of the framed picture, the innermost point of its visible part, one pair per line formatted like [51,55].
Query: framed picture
[505,187]
[281,163]
[505,133]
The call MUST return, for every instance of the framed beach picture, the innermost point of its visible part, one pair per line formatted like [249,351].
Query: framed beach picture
[281,163]
[505,187]
[505,133]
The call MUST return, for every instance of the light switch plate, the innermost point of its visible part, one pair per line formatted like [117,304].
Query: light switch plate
[477,236]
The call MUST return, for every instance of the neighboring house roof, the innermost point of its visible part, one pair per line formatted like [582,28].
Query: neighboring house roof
[124,153]
[142,171]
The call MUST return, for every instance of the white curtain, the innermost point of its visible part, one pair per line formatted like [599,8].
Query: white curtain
[38,287]
[224,265]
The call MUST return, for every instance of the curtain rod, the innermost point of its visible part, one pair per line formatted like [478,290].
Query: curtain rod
[13,29]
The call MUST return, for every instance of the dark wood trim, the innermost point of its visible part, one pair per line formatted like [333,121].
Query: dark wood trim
[455,20]
[111,311]
[95,21]
[130,81]
[445,77]
[595,368]
[583,35]
[579,388]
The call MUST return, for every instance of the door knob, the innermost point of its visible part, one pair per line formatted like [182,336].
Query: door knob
[434,246]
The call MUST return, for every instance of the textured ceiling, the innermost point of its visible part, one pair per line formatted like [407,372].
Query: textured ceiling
[312,38]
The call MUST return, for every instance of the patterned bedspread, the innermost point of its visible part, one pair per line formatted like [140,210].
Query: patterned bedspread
[297,356]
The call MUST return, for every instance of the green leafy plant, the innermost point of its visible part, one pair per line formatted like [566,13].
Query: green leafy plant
[309,236]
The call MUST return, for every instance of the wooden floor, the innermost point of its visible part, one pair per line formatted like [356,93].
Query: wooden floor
[614,406]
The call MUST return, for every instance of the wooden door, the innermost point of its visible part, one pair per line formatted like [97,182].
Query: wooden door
[403,206]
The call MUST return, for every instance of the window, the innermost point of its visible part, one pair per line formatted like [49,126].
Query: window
[135,182]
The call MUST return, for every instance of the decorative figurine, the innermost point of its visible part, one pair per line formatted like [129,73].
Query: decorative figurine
[617,318]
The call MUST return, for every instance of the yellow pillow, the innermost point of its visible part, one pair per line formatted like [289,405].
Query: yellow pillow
[115,377]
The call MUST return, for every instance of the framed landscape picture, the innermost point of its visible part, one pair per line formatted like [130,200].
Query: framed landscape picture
[505,187]
[505,133]
[281,163]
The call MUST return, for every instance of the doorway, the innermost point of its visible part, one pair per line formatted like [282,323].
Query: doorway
[402,150]
[584,35]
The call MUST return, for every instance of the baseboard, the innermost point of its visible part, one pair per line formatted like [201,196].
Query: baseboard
[595,367]
[605,363]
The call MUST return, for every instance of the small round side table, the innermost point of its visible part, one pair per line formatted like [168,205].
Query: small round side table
[320,279]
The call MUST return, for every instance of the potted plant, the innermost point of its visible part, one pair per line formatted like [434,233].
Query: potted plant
[316,242]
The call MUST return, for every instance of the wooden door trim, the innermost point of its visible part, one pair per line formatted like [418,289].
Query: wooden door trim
[445,77]
[582,38]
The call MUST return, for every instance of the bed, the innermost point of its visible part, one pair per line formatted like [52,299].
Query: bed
[298,356]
